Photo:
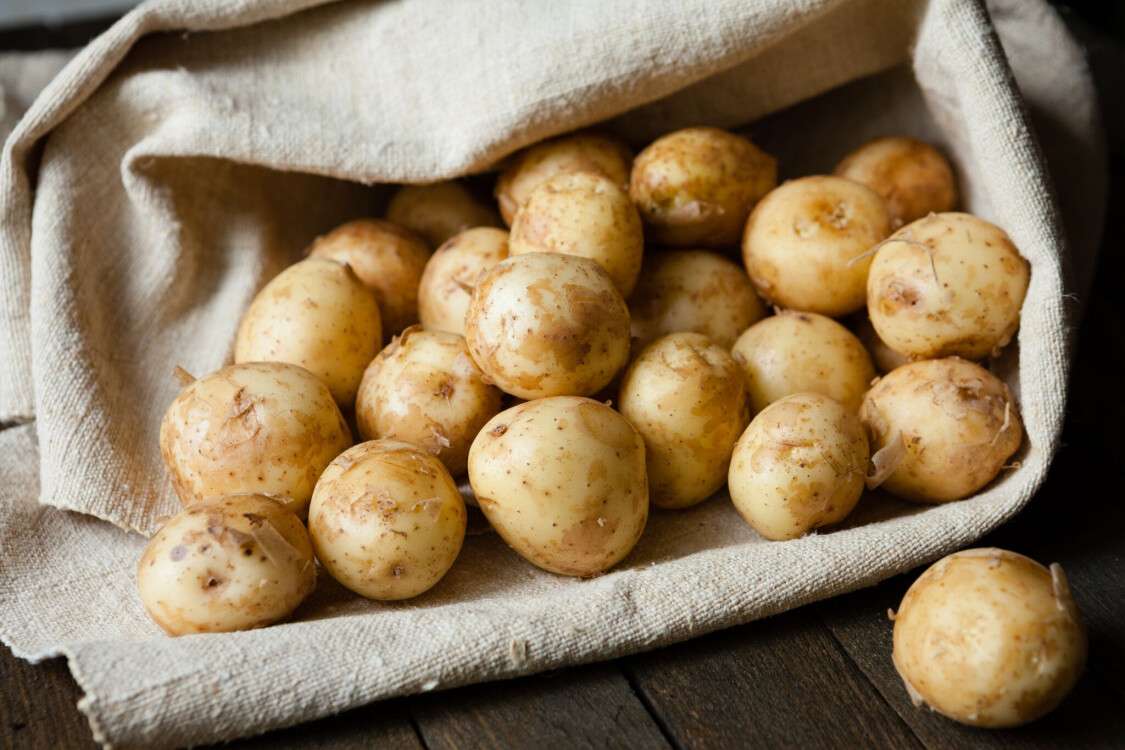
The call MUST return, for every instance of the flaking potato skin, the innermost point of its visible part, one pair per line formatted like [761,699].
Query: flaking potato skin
[957,422]
[562,480]
[452,272]
[686,396]
[229,563]
[911,176]
[316,314]
[258,427]
[947,285]
[386,520]
[425,389]
[438,211]
[545,324]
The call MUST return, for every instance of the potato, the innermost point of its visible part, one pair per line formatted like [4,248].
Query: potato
[884,357]
[693,290]
[438,211]
[318,315]
[799,465]
[989,638]
[583,214]
[806,243]
[385,257]
[579,152]
[687,398]
[545,324]
[229,563]
[797,352]
[425,389]
[562,480]
[911,176]
[949,284]
[696,186]
[261,427]
[452,272]
[386,520]
[946,425]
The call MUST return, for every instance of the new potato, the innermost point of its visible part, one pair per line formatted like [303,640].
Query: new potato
[438,211]
[911,176]
[451,274]
[883,357]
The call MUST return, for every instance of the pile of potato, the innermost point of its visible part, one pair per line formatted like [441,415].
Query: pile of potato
[607,353]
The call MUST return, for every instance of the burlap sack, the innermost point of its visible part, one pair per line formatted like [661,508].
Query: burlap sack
[194,149]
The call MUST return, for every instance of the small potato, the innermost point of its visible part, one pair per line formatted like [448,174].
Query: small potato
[583,214]
[948,284]
[259,427]
[693,290]
[797,352]
[562,480]
[989,638]
[806,244]
[800,465]
[425,389]
[946,425]
[884,357]
[386,520]
[911,176]
[452,272]
[385,257]
[230,563]
[318,315]
[696,186]
[438,211]
[545,324]
[687,398]
[580,152]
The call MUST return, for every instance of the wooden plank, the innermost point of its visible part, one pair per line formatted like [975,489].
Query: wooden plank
[780,682]
[384,725]
[38,706]
[584,707]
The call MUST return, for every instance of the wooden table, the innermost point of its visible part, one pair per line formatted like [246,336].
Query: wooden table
[816,677]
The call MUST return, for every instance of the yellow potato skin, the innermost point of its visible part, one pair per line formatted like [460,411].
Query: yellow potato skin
[583,214]
[438,211]
[797,352]
[452,272]
[883,357]
[260,427]
[316,314]
[696,186]
[686,396]
[989,638]
[693,290]
[947,285]
[957,421]
[386,520]
[425,389]
[911,176]
[799,465]
[386,258]
[562,480]
[805,245]
[229,563]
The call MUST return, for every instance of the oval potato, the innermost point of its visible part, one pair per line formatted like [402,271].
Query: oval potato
[911,176]
[437,211]
[452,272]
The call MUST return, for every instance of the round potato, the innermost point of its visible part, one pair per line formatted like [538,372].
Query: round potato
[425,389]
[230,563]
[797,352]
[945,427]
[385,257]
[693,290]
[806,244]
[687,398]
[583,214]
[544,324]
[386,520]
[452,272]
[696,186]
[318,315]
[800,465]
[884,357]
[911,176]
[261,427]
[438,211]
[948,284]
[989,638]
[562,480]
[580,152]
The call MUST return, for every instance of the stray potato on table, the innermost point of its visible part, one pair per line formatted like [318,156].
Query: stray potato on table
[437,211]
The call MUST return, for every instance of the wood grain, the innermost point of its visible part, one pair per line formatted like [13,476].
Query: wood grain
[38,706]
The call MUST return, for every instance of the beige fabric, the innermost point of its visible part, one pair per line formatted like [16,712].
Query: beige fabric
[179,171]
